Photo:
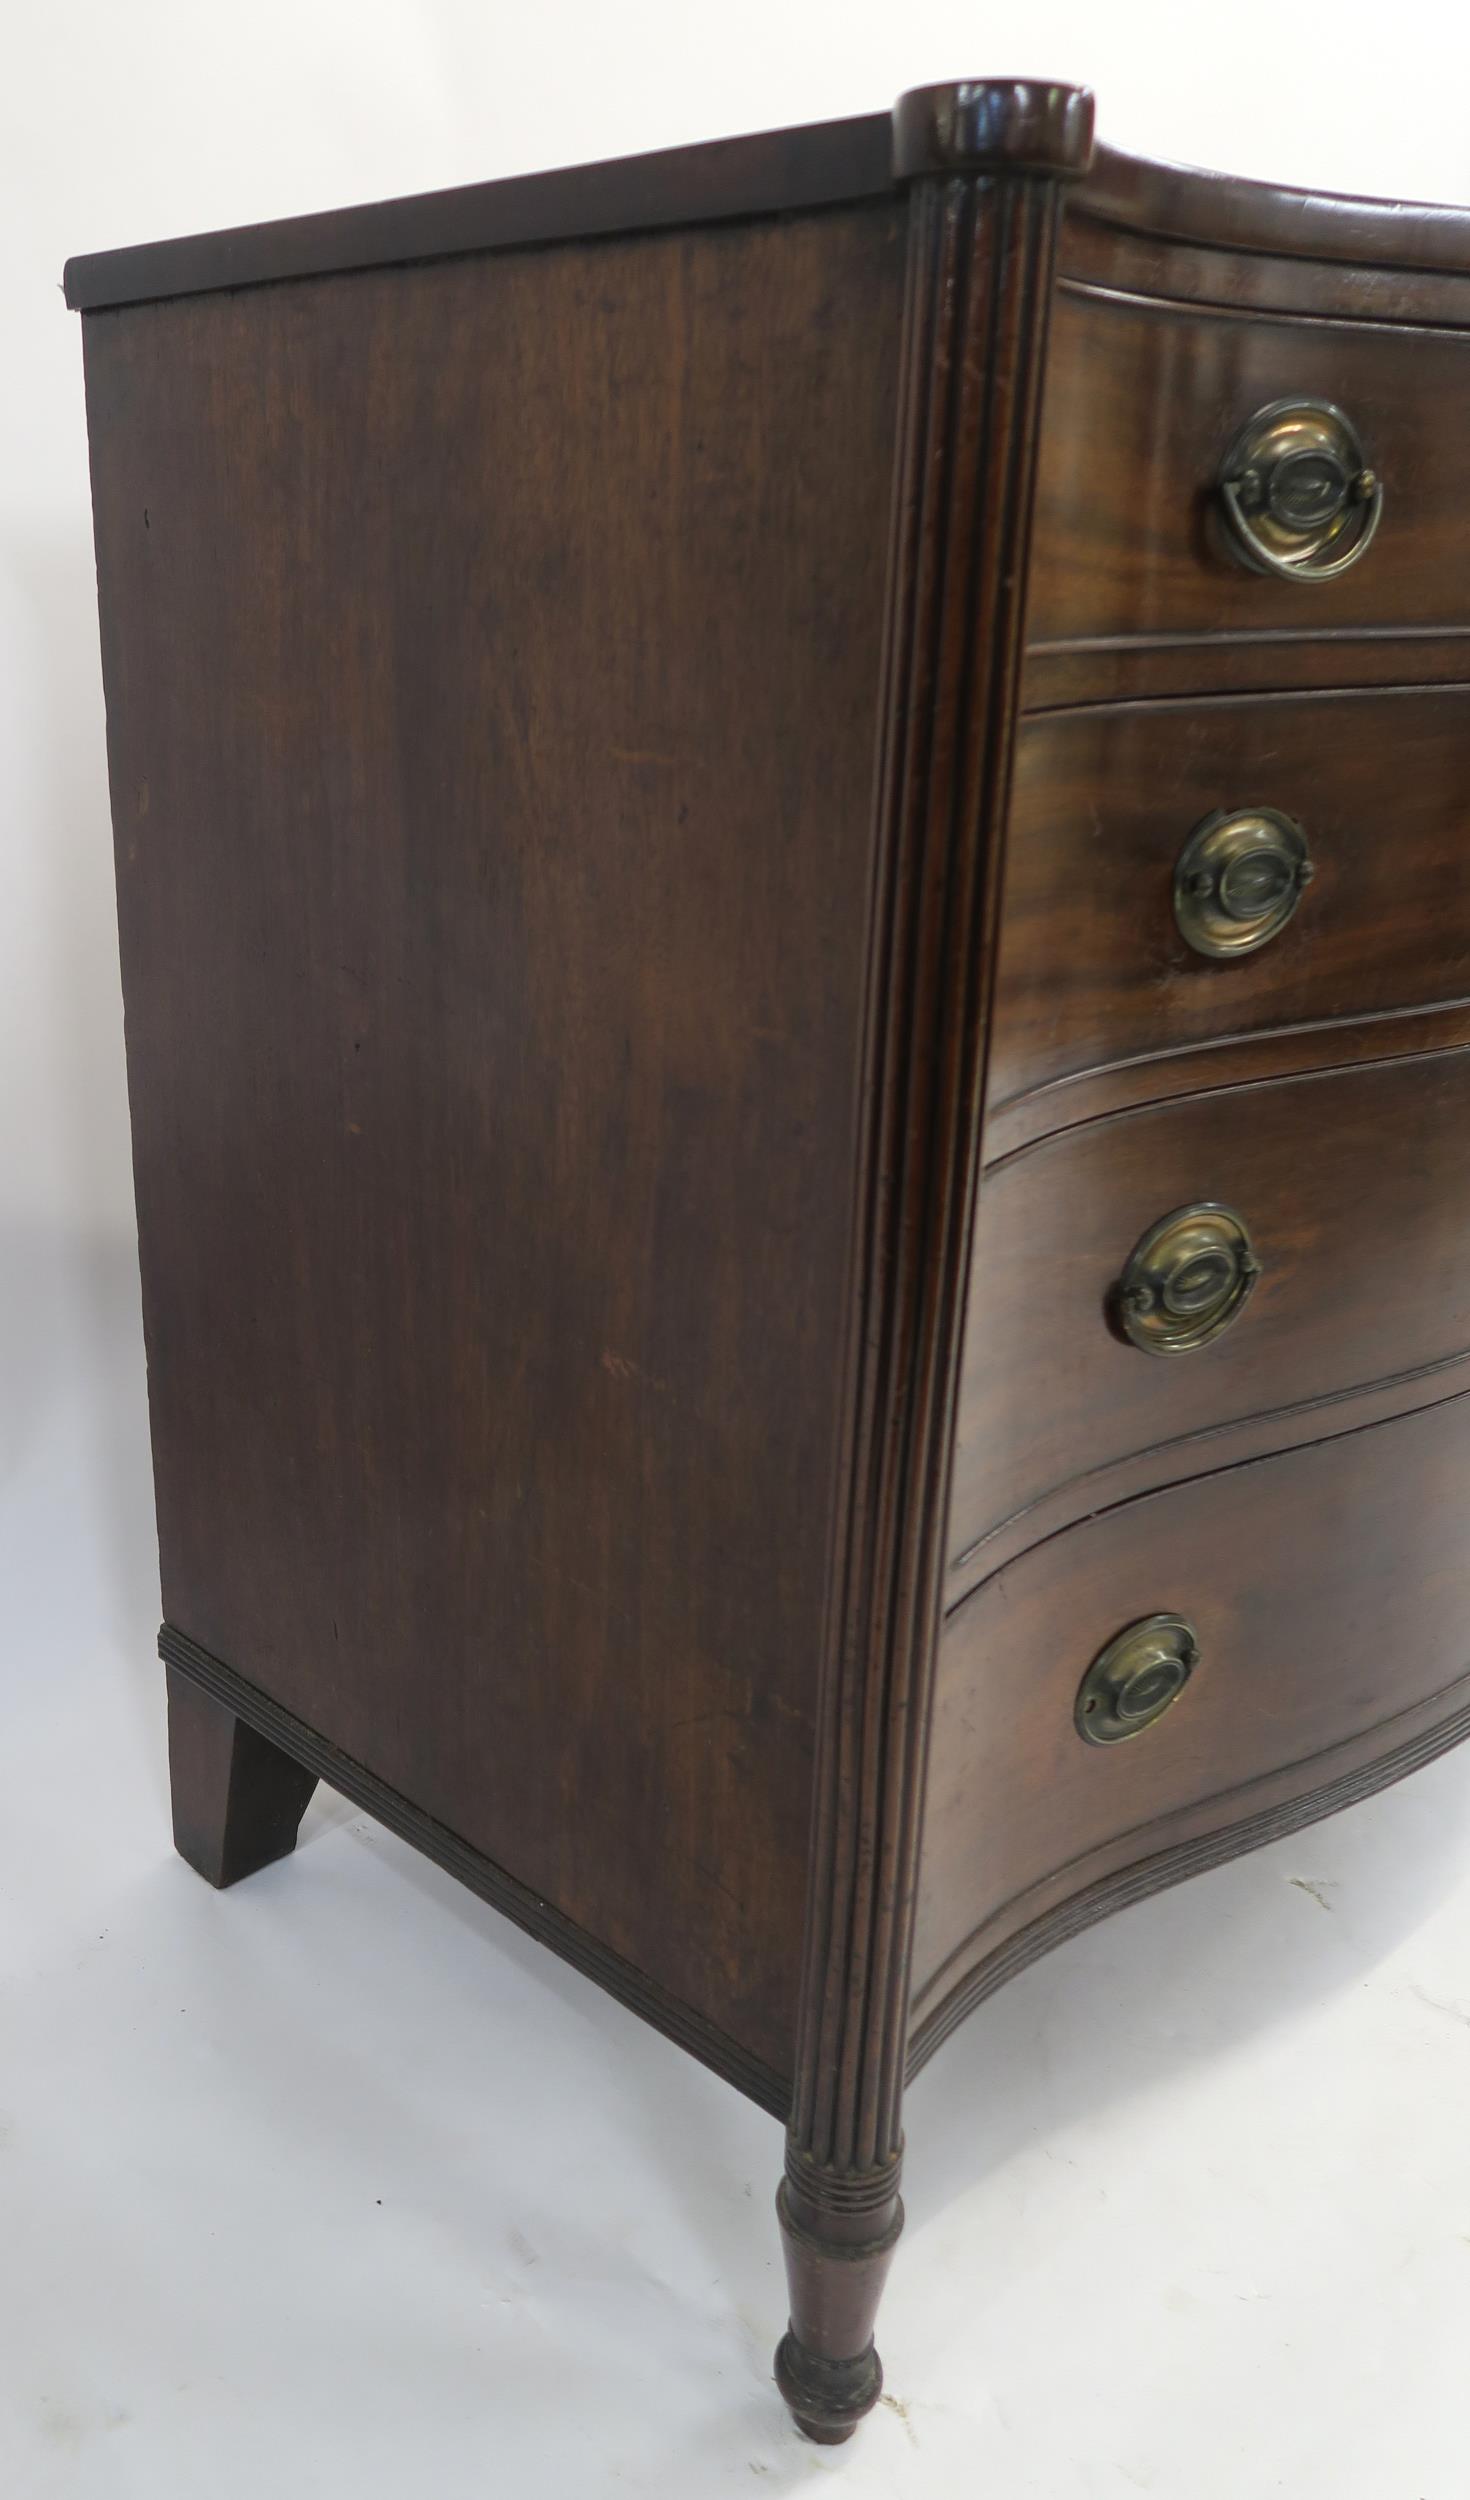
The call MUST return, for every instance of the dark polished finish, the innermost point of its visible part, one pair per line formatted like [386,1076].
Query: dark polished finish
[984,125]
[773,172]
[712,821]
[1195,1841]
[827,2365]
[978,293]
[482,1334]
[1355,1186]
[238,1799]
[993,125]
[1244,219]
[1146,402]
[1329,1590]
[189,1666]
[1103,999]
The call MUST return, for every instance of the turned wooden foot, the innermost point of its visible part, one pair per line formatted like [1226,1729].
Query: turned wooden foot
[237,1799]
[839,2236]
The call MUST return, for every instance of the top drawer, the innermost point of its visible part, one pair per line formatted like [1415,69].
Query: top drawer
[1144,400]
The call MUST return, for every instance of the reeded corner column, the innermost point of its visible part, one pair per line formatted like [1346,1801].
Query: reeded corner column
[985,166]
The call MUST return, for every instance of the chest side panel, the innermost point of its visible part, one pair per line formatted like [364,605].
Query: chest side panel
[492,651]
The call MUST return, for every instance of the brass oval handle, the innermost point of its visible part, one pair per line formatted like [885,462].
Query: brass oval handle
[1239,878]
[1139,1676]
[1300,499]
[1187,1280]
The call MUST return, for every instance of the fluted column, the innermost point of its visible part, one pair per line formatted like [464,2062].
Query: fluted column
[986,166]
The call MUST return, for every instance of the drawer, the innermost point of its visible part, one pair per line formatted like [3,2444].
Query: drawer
[1354,1187]
[1094,969]
[1329,1593]
[1144,399]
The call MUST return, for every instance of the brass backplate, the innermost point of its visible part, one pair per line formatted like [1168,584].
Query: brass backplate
[1186,1280]
[1298,497]
[1239,878]
[1139,1676]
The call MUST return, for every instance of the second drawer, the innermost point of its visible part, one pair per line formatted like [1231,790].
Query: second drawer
[1354,1189]
[1094,968]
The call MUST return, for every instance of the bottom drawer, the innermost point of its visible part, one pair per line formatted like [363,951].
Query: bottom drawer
[1327,1592]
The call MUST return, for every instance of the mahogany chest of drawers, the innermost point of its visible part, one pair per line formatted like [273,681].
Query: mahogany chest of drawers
[791,830]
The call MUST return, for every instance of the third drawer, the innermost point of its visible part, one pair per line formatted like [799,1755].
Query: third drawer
[1353,1187]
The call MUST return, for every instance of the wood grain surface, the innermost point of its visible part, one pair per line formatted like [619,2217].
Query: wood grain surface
[1143,400]
[1093,969]
[1243,219]
[655,1021]
[492,656]
[1355,1187]
[1245,228]
[1330,1589]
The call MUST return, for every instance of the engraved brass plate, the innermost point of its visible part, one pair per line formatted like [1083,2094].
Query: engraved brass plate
[1188,1278]
[1240,877]
[1139,1676]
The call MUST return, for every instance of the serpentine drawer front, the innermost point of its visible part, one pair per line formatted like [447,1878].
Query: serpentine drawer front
[1360,1279]
[1304,1670]
[791,837]
[1144,543]
[1102,997]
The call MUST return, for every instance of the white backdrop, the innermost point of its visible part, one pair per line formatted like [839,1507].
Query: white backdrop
[1223,2139]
